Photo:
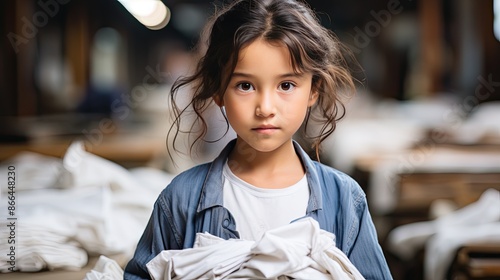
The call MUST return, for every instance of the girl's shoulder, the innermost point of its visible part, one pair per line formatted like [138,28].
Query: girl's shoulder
[328,171]
[187,182]
[334,177]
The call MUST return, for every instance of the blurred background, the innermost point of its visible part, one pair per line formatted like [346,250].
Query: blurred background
[421,136]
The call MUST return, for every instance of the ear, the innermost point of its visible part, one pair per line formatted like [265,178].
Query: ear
[218,100]
[313,97]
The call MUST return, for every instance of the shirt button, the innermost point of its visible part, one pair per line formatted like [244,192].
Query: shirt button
[225,223]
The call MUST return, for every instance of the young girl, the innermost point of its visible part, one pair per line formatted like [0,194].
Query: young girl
[271,68]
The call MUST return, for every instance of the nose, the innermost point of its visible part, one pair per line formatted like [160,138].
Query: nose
[265,105]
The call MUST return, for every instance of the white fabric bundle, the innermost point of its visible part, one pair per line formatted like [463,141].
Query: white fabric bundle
[299,250]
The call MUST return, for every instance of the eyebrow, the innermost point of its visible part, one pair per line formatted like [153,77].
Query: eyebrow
[286,75]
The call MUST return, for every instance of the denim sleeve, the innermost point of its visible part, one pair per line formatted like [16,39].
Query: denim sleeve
[366,253]
[171,222]
[154,240]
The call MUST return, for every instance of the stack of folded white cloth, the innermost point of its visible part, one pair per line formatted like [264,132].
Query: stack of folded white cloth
[43,241]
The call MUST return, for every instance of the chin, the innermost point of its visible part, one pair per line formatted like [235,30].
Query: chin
[265,147]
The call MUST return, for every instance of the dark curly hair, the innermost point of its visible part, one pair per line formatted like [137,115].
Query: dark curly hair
[312,47]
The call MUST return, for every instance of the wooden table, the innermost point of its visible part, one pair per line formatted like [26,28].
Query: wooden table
[126,149]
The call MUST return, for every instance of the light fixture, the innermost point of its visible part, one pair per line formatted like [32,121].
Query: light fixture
[151,13]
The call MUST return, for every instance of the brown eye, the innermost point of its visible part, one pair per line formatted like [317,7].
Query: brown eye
[286,86]
[245,87]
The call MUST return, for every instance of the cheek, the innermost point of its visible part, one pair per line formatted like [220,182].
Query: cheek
[234,110]
[296,109]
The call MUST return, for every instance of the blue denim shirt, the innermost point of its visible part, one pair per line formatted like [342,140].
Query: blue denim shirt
[193,203]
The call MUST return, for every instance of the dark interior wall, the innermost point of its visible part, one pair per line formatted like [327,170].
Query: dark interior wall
[8,67]
[24,25]
[491,57]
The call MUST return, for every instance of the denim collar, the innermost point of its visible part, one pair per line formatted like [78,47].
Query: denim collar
[211,194]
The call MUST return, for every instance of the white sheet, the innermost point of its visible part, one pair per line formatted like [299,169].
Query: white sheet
[93,207]
[42,241]
[35,171]
[299,250]
[476,222]
[442,247]
[105,269]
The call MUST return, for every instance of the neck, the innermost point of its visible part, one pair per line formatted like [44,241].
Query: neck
[259,167]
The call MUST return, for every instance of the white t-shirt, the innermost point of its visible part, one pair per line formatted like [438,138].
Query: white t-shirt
[257,210]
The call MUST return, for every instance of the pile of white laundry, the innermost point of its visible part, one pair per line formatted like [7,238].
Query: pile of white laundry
[441,238]
[71,208]
[300,250]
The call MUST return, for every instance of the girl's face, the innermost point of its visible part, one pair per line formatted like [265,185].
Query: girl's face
[266,102]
